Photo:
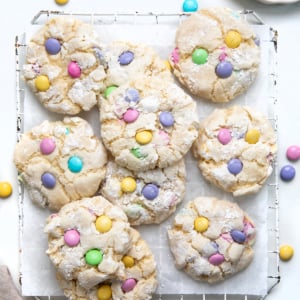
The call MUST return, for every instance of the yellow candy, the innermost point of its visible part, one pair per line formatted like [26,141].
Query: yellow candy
[61,2]
[252,136]
[128,261]
[104,292]
[201,224]
[103,224]
[233,39]
[42,83]
[167,64]
[5,189]
[143,137]
[128,185]
[286,252]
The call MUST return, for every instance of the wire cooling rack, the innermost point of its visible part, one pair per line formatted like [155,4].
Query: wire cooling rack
[273,276]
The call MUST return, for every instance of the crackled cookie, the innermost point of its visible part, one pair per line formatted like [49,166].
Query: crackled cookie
[146,197]
[65,65]
[60,161]
[148,123]
[139,283]
[87,240]
[216,54]
[211,239]
[235,149]
[127,61]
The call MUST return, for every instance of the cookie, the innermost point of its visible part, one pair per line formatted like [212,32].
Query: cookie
[146,197]
[211,239]
[87,240]
[140,280]
[64,65]
[127,61]
[148,123]
[235,149]
[60,161]
[216,55]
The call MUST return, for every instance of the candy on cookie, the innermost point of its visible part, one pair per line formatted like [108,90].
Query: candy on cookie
[148,123]
[139,282]
[147,197]
[64,65]
[216,56]
[80,249]
[235,149]
[60,161]
[211,239]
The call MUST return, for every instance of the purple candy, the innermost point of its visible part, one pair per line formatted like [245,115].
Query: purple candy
[48,180]
[150,191]
[235,166]
[132,95]
[166,118]
[224,69]
[126,58]
[52,46]
[287,173]
[128,285]
[257,41]
[238,236]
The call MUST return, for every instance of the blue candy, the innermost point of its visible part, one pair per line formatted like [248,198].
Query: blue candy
[287,173]
[190,6]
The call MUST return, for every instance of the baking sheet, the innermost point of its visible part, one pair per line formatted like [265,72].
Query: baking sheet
[37,273]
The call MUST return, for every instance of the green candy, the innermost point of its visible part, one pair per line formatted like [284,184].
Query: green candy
[199,56]
[93,257]
[109,90]
[137,153]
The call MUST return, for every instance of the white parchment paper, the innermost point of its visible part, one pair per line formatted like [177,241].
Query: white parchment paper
[37,273]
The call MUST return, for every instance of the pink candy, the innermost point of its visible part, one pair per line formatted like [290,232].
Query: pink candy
[74,69]
[128,285]
[130,115]
[293,152]
[224,136]
[175,56]
[47,146]
[216,259]
[72,237]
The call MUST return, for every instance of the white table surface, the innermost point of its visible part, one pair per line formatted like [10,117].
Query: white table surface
[285,18]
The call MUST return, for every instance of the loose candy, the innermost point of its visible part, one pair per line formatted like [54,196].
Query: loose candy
[103,224]
[93,257]
[190,6]
[150,191]
[61,2]
[52,46]
[287,173]
[5,189]
[293,152]
[286,252]
[128,285]
[235,166]
[72,237]
[104,292]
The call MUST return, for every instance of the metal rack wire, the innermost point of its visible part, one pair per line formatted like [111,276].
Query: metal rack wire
[273,201]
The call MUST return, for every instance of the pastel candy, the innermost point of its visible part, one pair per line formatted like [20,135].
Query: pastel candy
[75,164]
[128,285]
[132,95]
[47,146]
[293,152]
[74,69]
[238,236]
[224,69]
[224,136]
[235,166]
[190,6]
[150,191]
[130,115]
[93,257]
[126,58]
[72,237]
[287,173]
[52,46]
[48,180]
[216,259]
[166,118]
